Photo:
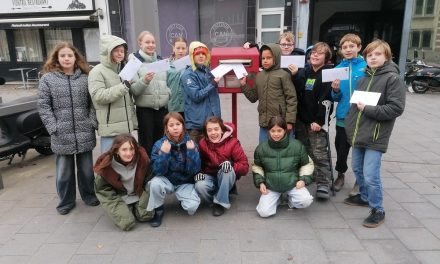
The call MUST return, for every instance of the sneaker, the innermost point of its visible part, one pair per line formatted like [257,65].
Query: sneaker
[158,215]
[356,201]
[339,182]
[355,190]
[217,210]
[322,192]
[375,219]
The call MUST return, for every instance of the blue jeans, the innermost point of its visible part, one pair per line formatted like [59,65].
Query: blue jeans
[216,189]
[66,179]
[366,167]
[106,143]
[264,134]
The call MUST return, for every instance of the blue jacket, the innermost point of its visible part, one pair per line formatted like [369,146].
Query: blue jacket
[347,87]
[201,96]
[179,165]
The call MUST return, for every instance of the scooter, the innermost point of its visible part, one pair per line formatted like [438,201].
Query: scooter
[420,76]
[21,129]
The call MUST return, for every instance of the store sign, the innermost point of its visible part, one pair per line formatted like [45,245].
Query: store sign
[36,6]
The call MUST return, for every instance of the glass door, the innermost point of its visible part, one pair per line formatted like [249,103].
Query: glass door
[270,21]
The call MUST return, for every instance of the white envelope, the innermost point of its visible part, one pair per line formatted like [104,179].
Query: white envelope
[368,98]
[157,66]
[182,63]
[221,70]
[130,69]
[297,60]
[239,70]
[329,75]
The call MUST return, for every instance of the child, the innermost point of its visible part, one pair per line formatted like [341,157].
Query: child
[342,90]
[273,89]
[281,164]
[121,174]
[223,162]
[200,91]
[110,96]
[369,127]
[311,114]
[151,93]
[176,102]
[175,160]
[69,117]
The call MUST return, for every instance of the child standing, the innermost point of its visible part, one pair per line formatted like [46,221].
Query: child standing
[350,46]
[312,117]
[273,89]
[281,164]
[175,160]
[200,91]
[176,103]
[369,127]
[151,93]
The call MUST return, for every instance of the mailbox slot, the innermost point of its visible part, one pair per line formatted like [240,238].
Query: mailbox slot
[245,62]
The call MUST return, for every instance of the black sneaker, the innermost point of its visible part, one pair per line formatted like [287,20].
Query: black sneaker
[217,210]
[375,219]
[158,215]
[356,201]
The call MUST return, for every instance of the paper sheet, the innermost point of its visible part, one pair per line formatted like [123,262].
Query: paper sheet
[329,75]
[221,70]
[157,66]
[130,69]
[297,60]
[368,98]
[239,70]
[182,63]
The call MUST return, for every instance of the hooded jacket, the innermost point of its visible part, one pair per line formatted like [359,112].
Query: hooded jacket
[227,149]
[356,68]
[177,101]
[111,99]
[280,164]
[200,92]
[179,165]
[67,112]
[154,94]
[372,127]
[274,90]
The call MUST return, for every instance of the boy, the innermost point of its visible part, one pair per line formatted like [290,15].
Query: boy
[273,89]
[311,117]
[369,127]
[342,90]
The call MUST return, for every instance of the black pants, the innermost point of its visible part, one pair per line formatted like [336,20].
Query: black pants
[151,126]
[342,149]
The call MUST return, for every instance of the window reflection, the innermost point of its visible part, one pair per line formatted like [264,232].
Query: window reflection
[28,45]
[54,36]
[4,48]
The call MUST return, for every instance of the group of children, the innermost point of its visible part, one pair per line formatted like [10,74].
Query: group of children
[193,153]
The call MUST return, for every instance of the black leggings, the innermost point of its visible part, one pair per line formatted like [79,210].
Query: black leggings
[151,126]
[342,149]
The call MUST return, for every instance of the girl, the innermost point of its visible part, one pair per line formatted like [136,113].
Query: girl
[176,103]
[110,96]
[151,94]
[281,164]
[121,174]
[69,117]
[175,160]
[369,127]
[224,162]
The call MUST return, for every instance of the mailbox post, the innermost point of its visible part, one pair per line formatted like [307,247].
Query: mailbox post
[230,83]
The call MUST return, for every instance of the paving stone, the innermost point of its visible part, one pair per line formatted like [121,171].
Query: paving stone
[287,229]
[417,238]
[267,257]
[14,259]
[101,243]
[422,210]
[6,206]
[351,212]
[181,258]
[256,240]
[427,257]
[8,231]
[71,233]
[105,224]
[182,240]
[43,224]
[361,232]
[390,204]
[91,259]
[54,253]
[339,240]
[433,225]
[304,251]
[23,244]
[326,219]
[18,216]
[410,177]
[143,232]
[425,187]
[357,257]
[393,183]
[35,201]
[84,214]
[405,196]
[401,219]
[219,251]
[388,251]
[137,252]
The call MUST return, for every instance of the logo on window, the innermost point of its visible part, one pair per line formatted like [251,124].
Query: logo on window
[220,34]
[175,31]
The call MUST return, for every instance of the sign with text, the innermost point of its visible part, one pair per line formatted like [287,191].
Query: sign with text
[39,6]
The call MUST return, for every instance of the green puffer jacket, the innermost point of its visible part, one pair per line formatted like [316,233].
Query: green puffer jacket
[279,165]
[111,98]
[155,94]
[274,90]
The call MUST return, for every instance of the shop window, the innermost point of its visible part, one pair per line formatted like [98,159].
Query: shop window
[415,39]
[28,45]
[426,39]
[424,7]
[91,39]
[4,48]
[54,36]
[421,39]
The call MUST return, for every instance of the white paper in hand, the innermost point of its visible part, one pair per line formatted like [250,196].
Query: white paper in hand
[221,70]
[329,75]
[297,60]
[367,98]
[157,66]
[239,70]
[130,69]
[182,63]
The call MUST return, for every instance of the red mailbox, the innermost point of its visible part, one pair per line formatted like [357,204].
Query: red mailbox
[230,83]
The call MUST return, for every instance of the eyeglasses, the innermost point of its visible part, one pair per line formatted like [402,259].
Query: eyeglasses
[284,45]
[317,53]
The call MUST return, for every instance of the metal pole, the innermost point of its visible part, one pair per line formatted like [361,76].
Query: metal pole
[405,35]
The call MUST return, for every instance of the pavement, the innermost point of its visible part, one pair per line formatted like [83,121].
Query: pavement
[31,231]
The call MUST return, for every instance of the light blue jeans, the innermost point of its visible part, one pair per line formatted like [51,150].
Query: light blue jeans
[366,167]
[264,134]
[216,189]
[160,186]
[106,143]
